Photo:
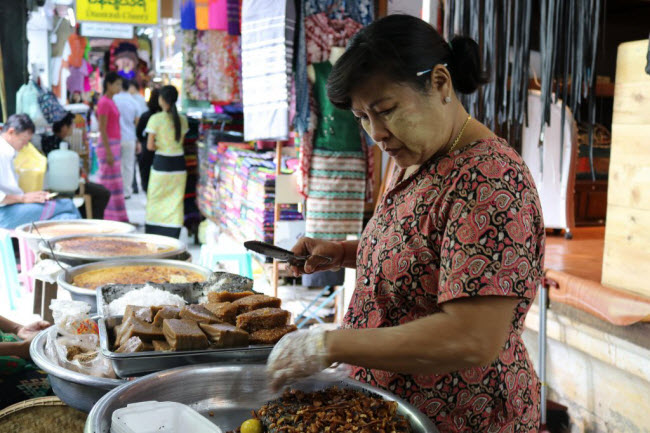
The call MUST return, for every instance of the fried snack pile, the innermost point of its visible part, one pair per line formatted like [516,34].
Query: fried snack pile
[334,410]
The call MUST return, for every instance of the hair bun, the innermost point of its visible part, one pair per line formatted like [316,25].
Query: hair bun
[467,72]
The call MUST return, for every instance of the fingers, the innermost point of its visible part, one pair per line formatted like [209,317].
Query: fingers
[44,324]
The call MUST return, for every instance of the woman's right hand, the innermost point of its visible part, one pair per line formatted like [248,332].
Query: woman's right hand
[317,249]
[35,197]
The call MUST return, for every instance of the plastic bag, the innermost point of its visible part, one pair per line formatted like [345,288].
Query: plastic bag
[30,166]
[76,345]
[47,270]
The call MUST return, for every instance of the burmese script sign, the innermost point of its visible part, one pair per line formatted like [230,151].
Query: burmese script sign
[141,12]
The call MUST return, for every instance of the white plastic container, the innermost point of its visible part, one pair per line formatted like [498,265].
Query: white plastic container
[157,417]
[63,169]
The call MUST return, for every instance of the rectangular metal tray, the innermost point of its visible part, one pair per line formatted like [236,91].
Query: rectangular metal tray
[134,364]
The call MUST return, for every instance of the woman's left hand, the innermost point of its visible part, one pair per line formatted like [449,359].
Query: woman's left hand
[28,332]
[297,355]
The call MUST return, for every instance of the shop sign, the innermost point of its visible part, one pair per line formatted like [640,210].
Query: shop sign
[107,30]
[141,12]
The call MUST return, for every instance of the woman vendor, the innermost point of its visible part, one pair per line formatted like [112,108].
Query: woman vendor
[449,265]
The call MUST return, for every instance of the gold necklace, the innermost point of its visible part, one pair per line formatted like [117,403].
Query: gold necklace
[460,134]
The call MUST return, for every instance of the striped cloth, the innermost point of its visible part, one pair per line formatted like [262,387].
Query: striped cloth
[337,192]
[110,176]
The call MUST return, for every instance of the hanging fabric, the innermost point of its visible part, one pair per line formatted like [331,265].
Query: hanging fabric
[234,17]
[188,15]
[218,15]
[202,10]
[267,55]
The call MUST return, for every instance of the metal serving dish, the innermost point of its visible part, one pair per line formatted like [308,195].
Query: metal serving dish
[84,226]
[224,394]
[78,390]
[132,364]
[90,295]
[174,248]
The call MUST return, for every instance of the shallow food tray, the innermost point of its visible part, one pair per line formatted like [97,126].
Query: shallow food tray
[190,292]
[133,364]
[224,394]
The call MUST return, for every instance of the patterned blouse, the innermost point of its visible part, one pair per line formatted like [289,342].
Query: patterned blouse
[465,224]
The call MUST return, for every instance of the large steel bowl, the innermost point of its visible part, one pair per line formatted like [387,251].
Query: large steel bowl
[90,295]
[84,226]
[78,390]
[175,248]
[224,394]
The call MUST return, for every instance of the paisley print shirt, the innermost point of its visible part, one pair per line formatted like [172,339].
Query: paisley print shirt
[465,224]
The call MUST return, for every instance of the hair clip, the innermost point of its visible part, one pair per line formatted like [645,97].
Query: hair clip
[419,74]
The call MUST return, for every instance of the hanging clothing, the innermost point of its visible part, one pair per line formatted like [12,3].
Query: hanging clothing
[267,57]
[75,82]
[168,177]
[337,175]
[77,50]
[110,176]
[218,15]
[202,14]
[188,15]
[321,34]
[234,17]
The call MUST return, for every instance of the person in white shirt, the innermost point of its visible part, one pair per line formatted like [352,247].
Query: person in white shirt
[134,90]
[16,206]
[129,114]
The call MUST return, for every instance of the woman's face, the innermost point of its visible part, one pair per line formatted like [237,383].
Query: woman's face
[407,124]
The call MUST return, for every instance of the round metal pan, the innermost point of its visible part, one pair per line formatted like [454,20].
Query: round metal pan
[75,389]
[175,246]
[224,394]
[90,295]
[85,226]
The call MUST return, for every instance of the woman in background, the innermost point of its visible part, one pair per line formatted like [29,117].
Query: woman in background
[108,149]
[145,158]
[168,176]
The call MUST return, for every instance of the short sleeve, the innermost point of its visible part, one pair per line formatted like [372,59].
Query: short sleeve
[493,240]
[152,125]
[184,126]
[102,107]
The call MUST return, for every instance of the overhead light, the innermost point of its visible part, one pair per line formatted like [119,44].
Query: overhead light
[71,17]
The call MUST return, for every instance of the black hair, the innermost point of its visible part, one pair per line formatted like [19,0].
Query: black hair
[152,103]
[135,84]
[125,84]
[66,121]
[110,78]
[170,96]
[400,46]
[20,123]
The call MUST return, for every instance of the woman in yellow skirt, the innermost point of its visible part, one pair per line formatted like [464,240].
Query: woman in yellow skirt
[166,187]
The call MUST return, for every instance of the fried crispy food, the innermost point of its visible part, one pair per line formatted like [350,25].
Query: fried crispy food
[223,335]
[166,313]
[264,318]
[226,296]
[271,336]
[183,334]
[339,410]
[198,313]
[225,311]
[255,302]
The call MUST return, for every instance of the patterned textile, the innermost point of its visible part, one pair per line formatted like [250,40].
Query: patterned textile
[212,66]
[361,11]
[267,57]
[110,176]
[19,379]
[321,35]
[166,189]
[335,201]
[466,224]
[234,17]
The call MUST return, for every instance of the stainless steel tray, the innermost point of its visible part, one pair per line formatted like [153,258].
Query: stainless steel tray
[75,389]
[90,296]
[228,392]
[177,248]
[132,364]
[102,227]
